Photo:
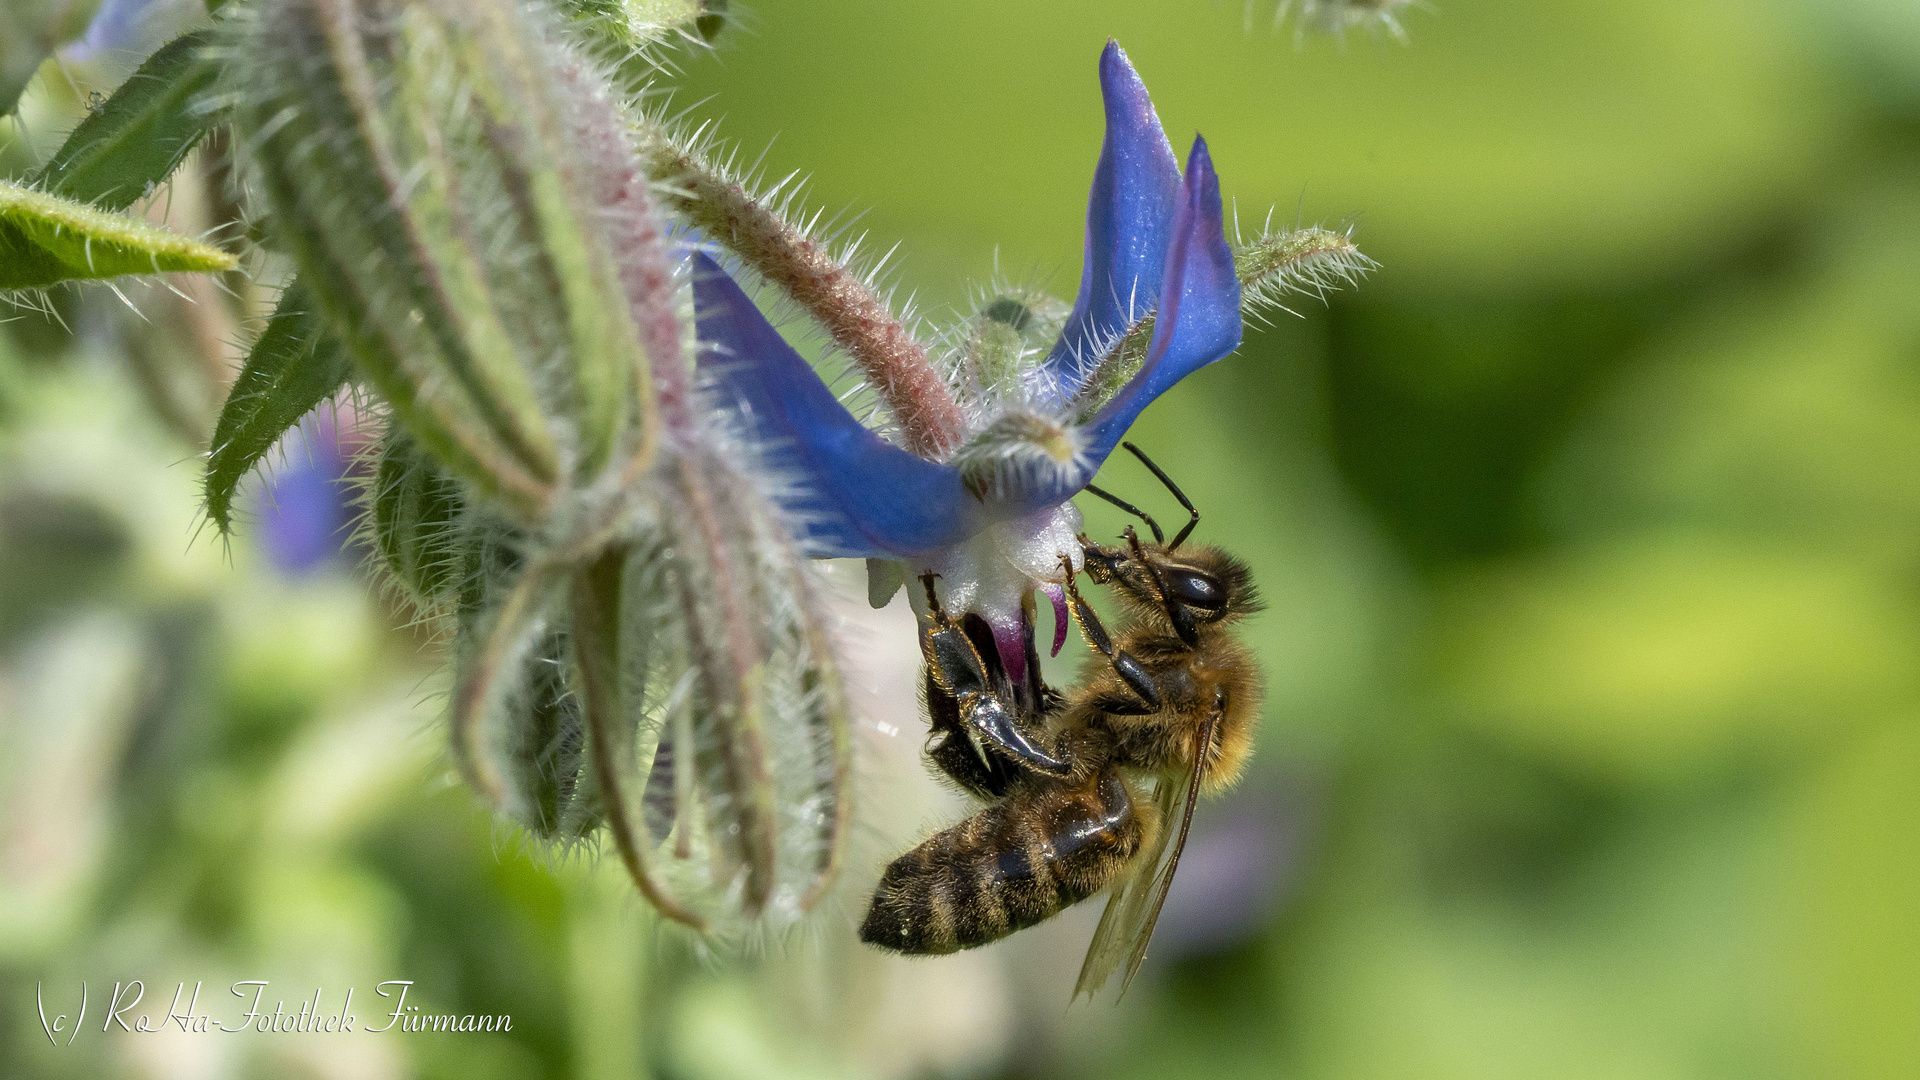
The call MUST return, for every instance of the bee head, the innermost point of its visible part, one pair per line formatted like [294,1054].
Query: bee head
[1202,585]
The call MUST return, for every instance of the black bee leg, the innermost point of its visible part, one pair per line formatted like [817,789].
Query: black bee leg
[1130,670]
[1178,615]
[986,716]
[954,668]
[989,776]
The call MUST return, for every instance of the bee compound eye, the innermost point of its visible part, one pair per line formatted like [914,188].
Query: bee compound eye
[1195,589]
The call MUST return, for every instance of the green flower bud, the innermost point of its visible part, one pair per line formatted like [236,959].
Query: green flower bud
[718,728]
[1008,334]
[416,511]
[425,165]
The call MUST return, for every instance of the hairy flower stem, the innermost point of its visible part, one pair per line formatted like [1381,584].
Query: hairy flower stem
[898,367]
[596,628]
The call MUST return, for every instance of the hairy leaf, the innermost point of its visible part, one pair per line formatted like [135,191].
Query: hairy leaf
[293,367]
[142,133]
[45,240]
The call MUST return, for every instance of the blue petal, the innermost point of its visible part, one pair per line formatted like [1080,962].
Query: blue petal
[1198,323]
[849,492]
[118,26]
[1199,317]
[1129,221]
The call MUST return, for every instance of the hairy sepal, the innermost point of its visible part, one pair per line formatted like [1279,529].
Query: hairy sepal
[293,367]
[1272,267]
[633,26]
[508,603]
[734,751]
[767,720]
[417,511]
[1298,262]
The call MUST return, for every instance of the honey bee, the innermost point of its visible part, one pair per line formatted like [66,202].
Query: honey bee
[1085,786]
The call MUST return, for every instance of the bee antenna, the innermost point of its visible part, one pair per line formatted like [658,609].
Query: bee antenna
[1177,493]
[1158,536]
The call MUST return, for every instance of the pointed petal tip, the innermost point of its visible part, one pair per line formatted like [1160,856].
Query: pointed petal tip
[1199,171]
[1136,188]
[1201,182]
[1119,82]
[706,268]
[1199,156]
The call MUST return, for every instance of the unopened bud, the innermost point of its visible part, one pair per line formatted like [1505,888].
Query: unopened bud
[734,785]
[416,511]
[1010,333]
[421,162]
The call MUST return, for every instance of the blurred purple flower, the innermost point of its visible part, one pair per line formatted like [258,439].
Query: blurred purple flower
[119,25]
[307,503]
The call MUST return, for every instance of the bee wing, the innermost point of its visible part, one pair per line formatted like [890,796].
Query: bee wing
[1133,908]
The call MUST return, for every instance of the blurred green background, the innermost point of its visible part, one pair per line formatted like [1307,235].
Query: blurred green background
[1589,524]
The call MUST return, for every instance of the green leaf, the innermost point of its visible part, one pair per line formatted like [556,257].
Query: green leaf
[45,240]
[293,367]
[142,133]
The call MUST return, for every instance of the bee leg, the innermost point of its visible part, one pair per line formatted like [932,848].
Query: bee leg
[986,716]
[1178,615]
[954,668]
[950,750]
[948,746]
[1129,669]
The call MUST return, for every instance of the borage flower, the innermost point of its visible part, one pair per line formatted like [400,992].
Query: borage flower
[1159,299]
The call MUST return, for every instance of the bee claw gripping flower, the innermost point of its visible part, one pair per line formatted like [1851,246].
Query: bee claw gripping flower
[993,518]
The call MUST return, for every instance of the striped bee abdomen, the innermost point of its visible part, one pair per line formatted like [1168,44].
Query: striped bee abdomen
[1014,864]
